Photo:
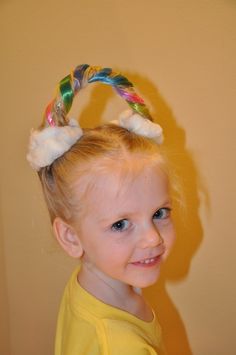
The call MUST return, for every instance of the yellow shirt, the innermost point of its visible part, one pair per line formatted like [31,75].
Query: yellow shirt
[87,326]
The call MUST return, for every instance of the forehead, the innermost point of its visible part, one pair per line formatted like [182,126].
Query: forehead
[132,187]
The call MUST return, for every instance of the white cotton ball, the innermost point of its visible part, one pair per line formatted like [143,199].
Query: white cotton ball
[50,143]
[141,126]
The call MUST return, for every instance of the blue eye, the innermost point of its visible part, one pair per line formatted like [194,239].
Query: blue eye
[162,213]
[120,226]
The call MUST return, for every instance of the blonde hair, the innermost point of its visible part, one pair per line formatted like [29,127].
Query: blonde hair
[90,154]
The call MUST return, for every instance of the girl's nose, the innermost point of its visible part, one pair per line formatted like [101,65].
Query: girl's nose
[151,237]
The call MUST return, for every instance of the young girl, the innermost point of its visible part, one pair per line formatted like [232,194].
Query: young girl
[107,191]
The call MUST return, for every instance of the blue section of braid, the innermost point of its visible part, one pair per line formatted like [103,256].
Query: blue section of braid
[105,77]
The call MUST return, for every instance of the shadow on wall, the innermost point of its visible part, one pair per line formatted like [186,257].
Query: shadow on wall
[189,229]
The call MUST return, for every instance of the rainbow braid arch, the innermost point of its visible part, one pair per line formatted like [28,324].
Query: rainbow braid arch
[58,132]
[57,110]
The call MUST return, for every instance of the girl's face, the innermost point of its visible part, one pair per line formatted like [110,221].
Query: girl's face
[126,230]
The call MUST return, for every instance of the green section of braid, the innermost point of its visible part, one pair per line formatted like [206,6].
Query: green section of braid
[67,92]
[142,110]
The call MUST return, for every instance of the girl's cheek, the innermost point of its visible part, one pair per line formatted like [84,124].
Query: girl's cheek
[169,240]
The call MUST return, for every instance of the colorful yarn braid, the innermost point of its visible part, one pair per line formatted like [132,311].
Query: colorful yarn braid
[56,112]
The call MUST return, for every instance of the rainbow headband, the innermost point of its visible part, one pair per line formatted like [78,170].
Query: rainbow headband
[58,133]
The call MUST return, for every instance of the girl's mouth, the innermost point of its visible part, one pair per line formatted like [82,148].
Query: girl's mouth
[149,262]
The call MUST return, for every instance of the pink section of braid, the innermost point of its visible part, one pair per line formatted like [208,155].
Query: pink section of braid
[57,110]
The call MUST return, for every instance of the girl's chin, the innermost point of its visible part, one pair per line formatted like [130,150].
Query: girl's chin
[148,281]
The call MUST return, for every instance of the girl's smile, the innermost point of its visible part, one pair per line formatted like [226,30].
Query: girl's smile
[149,262]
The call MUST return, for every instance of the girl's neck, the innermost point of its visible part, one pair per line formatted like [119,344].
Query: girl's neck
[114,293]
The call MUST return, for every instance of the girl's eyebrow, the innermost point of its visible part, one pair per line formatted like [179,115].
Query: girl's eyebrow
[166,203]
[128,214]
[117,217]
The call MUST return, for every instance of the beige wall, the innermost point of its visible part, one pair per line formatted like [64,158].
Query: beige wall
[4,306]
[181,54]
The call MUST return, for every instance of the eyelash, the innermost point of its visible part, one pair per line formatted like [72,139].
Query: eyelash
[123,224]
[119,225]
[162,213]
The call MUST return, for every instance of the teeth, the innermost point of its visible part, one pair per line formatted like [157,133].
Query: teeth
[147,261]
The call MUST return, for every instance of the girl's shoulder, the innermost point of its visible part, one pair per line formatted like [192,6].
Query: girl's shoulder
[102,329]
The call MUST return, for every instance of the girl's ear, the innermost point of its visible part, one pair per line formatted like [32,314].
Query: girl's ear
[67,238]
